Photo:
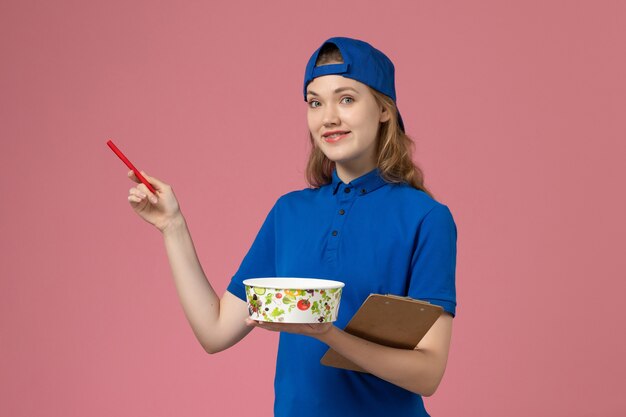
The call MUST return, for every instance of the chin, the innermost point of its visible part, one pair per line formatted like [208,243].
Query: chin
[336,155]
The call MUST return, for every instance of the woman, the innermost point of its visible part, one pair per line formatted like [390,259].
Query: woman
[367,220]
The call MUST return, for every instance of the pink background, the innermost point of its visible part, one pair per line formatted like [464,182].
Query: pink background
[517,110]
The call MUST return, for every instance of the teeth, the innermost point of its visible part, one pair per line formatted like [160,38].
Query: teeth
[335,135]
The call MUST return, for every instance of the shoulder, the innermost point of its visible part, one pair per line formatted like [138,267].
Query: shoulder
[303,196]
[299,194]
[416,203]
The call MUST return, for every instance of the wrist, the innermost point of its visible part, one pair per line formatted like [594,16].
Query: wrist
[175,225]
[326,336]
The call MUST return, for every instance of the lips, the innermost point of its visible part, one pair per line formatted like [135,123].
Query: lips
[335,132]
[336,138]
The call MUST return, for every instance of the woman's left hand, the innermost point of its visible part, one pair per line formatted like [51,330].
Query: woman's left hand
[314,329]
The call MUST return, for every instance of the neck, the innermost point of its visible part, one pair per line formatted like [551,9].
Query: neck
[347,173]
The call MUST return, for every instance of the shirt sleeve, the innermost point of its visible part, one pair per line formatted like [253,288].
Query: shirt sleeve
[260,261]
[434,260]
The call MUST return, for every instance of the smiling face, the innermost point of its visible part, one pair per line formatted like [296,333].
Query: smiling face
[336,103]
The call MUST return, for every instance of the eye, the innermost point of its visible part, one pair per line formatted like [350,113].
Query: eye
[311,103]
[349,98]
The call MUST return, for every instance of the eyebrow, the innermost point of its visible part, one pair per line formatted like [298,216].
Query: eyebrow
[339,90]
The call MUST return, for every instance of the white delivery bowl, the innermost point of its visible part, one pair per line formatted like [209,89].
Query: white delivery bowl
[293,300]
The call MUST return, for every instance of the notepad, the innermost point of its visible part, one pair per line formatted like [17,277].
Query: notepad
[389,320]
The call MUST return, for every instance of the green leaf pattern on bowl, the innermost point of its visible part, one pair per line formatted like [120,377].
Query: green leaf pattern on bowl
[272,305]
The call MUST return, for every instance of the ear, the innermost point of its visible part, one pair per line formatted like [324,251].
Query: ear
[384,115]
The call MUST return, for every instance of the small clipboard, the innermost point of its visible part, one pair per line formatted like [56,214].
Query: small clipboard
[389,320]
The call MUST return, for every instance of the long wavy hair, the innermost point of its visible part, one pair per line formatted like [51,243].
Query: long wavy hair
[394,147]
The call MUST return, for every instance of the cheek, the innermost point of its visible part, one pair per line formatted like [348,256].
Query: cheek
[358,117]
[312,122]
[371,123]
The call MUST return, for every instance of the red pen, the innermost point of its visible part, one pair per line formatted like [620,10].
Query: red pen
[130,165]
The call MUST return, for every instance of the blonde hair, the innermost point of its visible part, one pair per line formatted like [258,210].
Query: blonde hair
[394,150]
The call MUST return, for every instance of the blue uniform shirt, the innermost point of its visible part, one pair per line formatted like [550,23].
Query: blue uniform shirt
[374,236]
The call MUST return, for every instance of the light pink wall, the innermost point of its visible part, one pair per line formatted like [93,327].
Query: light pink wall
[517,109]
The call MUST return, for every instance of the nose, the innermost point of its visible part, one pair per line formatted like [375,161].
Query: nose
[331,116]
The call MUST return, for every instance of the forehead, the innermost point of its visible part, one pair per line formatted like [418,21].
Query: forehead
[326,84]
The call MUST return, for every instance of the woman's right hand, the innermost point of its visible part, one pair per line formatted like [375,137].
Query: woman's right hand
[160,209]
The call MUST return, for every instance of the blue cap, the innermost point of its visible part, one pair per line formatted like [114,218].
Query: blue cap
[361,62]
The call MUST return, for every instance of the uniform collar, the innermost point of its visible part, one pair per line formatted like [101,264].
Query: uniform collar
[364,184]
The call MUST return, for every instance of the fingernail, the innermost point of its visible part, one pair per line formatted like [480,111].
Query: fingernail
[153,199]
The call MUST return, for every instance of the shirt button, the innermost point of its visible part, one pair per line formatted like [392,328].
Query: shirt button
[342,211]
[363,191]
[347,190]
[334,233]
